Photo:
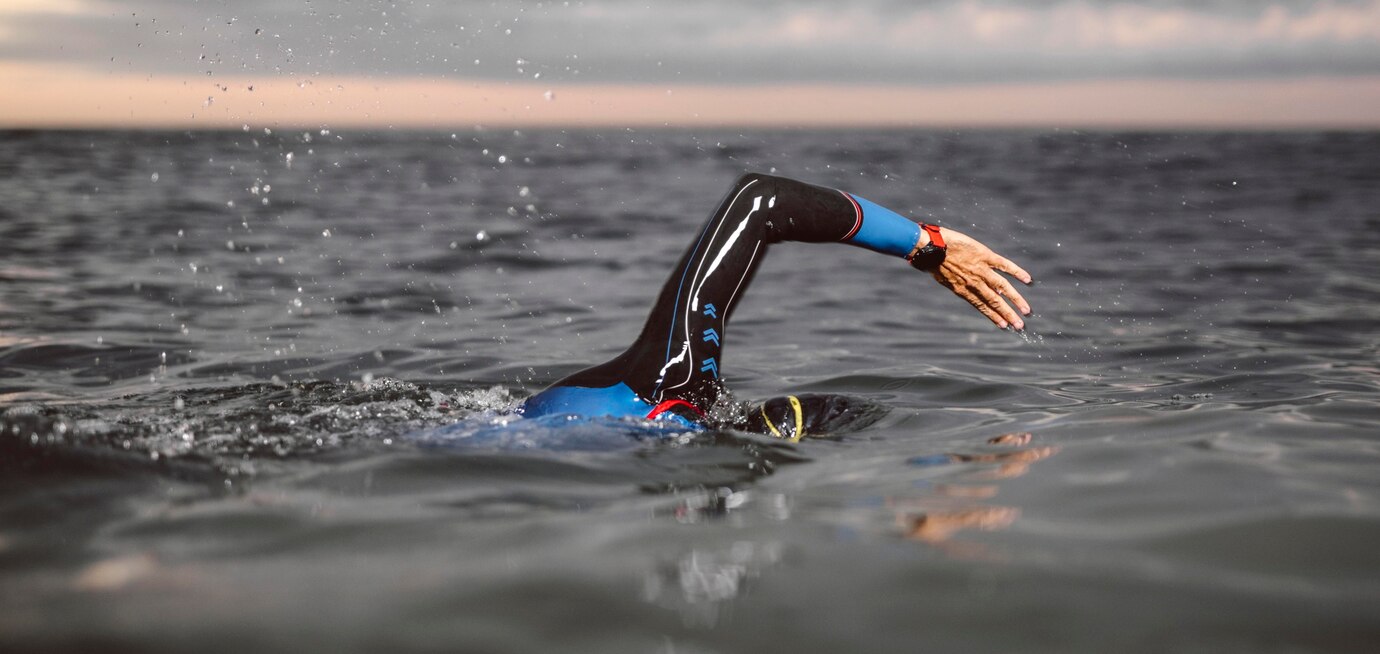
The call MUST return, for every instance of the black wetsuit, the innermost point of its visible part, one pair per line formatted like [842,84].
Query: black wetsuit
[674,366]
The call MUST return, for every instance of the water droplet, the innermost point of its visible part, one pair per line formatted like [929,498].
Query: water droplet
[153,177]
[179,404]
[230,245]
[524,192]
[326,233]
[502,158]
[481,236]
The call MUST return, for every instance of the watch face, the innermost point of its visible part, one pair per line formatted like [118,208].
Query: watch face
[928,258]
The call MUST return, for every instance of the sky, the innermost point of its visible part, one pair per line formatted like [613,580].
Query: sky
[960,63]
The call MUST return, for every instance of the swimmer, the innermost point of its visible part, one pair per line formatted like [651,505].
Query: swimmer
[673,371]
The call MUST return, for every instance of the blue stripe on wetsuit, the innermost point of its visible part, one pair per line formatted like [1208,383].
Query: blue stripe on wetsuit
[884,230]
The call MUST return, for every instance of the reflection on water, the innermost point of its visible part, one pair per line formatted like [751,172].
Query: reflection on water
[954,506]
[702,583]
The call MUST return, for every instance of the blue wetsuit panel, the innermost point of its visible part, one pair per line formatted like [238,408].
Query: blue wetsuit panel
[617,401]
[884,230]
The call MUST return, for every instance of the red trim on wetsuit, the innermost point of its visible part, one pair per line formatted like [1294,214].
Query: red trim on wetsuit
[857,224]
[667,404]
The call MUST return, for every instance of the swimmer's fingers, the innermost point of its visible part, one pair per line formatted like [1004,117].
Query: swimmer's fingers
[971,296]
[1005,288]
[992,296]
[1009,267]
[1002,264]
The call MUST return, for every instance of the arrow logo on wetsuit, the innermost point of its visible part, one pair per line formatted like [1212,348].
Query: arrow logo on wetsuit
[711,366]
[710,311]
[711,335]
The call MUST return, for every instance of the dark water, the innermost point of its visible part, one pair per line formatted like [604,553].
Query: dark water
[229,397]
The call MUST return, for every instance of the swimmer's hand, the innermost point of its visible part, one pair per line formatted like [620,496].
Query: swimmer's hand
[970,270]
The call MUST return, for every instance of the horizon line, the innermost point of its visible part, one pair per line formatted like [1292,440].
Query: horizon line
[66,98]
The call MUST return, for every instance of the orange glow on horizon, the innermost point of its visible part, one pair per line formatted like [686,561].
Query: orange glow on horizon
[48,96]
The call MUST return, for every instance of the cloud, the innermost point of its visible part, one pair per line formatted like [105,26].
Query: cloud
[707,41]
[996,41]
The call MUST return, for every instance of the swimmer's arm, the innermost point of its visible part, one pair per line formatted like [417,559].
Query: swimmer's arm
[970,269]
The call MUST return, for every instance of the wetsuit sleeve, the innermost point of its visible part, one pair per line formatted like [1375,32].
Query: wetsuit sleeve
[816,214]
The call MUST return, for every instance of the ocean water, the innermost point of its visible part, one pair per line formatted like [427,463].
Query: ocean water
[254,396]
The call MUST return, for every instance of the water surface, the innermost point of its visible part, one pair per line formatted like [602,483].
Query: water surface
[254,387]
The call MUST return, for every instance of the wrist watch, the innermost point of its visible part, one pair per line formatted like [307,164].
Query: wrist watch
[929,257]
